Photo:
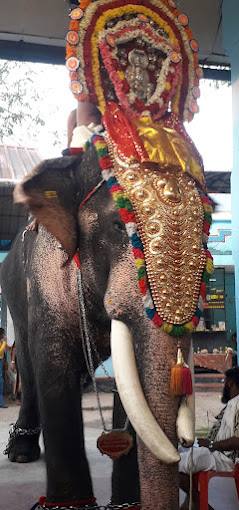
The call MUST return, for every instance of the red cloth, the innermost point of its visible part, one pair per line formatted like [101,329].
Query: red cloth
[123,133]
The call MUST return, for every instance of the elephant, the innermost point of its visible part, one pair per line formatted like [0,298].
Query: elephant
[40,282]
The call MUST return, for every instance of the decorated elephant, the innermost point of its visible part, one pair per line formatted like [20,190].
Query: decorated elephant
[41,287]
[132,219]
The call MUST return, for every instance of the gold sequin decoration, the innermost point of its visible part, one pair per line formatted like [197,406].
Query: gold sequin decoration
[169,215]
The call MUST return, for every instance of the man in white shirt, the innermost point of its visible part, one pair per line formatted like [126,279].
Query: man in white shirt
[219,450]
[82,124]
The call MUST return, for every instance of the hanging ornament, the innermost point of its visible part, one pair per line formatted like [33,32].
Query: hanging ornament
[72,37]
[199,73]
[76,87]
[143,18]
[181,377]
[183,19]
[196,92]
[194,46]
[115,443]
[72,63]
[110,40]
[194,108]
[175,57]
[76,14]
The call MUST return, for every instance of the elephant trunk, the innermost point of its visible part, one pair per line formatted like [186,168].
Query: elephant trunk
[132,396]
[151,410]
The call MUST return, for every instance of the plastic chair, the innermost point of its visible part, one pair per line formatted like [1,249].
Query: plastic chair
[202,479]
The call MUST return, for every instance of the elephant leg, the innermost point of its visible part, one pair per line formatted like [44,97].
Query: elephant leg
[24,447]
[125,476]
[68,475]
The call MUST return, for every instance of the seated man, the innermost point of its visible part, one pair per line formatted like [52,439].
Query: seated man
[82,124]
[220,449]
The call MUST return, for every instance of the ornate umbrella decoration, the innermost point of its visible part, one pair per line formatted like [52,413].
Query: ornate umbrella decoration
[137,61]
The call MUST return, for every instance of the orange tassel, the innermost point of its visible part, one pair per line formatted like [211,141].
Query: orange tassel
[176,381]
[181,377]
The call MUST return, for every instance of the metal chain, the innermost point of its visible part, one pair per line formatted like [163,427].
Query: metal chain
[101,363]
[124,506]
[191,481]
[24,258]
[87,343]
[16,431]
[70,507]
[87,347]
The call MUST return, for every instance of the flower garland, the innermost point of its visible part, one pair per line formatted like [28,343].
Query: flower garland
[91,23]
[127,214]
[166,82]
[134,23]
[133,8]
[190,76]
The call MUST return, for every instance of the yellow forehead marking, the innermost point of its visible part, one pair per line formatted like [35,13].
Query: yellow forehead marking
[50,194]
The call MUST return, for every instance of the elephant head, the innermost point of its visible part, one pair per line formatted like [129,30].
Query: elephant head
[69,198]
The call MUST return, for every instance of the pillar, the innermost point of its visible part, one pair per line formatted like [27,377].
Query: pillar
[230,18]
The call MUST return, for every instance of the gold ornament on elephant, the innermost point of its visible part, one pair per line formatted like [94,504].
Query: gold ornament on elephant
[170,216]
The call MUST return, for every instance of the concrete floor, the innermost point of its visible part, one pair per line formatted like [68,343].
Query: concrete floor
[22,484]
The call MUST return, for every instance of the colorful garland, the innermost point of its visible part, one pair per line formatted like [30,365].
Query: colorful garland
[127,214]
[166,84]
[89,22]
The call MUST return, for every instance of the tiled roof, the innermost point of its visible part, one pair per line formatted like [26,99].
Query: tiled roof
[218,182]
[15,163]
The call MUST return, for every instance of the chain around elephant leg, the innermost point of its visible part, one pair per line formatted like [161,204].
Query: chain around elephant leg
[124,506]
[78,505]
[42,505]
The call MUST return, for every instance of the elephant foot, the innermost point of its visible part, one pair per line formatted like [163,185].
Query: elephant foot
[89,504]
[23,444]
[23,453]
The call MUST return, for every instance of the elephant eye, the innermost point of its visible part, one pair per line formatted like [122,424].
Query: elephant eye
[118,225]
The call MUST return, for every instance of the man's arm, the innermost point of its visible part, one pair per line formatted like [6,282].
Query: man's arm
[71,124]
[226,445]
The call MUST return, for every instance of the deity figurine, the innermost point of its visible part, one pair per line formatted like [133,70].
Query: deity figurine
[137,76]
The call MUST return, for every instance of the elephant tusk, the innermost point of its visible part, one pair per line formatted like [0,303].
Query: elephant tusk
[132,397]
[185,423]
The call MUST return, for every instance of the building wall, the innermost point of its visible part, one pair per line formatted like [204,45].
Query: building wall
[230,17]
[220,242]
[220,246]
[230,304]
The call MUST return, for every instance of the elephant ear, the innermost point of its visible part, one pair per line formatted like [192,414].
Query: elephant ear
[49,192]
